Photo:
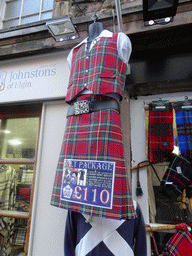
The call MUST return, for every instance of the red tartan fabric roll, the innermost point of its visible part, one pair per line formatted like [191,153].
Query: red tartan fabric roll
[96,136]
[160,134]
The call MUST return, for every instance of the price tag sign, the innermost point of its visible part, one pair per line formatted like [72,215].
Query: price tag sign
[88,182]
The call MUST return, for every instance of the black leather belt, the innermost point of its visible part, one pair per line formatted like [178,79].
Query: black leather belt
[85,106]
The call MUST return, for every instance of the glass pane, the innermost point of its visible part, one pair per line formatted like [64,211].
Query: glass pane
[46,15]
[30,19]
[47,5]
[14,233]
[11,23]
[19,138]
[16,183]
[12,9]
[31,6]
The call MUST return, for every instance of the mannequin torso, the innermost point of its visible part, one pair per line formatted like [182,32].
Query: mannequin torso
[94,31]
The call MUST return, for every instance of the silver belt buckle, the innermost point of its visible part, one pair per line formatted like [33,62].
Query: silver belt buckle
[81,107]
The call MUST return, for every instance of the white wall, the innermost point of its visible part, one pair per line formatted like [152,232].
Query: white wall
[48,222]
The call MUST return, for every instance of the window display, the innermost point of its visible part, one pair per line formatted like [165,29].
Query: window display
[19,127]
[169,148]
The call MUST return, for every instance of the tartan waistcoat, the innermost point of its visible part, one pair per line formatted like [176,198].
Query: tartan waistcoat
[100,70]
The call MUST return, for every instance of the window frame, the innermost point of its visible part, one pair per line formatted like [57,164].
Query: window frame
[22,111]
[21,16]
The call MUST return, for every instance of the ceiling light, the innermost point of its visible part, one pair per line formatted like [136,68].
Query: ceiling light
[14,142]
[6,131]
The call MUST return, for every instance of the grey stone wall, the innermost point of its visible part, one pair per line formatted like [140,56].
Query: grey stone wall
[78,8]
[61,8]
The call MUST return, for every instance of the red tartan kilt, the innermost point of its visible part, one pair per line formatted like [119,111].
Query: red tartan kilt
[96,136]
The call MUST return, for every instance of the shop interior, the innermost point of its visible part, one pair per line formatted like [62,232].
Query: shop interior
[18,141]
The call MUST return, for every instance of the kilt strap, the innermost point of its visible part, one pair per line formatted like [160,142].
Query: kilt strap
[93,106]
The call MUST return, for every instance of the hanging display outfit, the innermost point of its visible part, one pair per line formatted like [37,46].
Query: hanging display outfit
[104,236]
[98,76]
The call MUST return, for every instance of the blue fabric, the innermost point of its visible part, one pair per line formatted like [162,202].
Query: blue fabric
[184,130]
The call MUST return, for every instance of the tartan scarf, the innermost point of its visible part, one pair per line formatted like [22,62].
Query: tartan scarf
[184,130]
[180,244]
[160,134]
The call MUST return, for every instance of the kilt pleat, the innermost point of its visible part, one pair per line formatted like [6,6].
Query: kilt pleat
[96,136]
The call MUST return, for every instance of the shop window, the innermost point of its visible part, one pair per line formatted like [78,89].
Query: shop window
[19,12]
[160,221]
[19,129]
[161,197]
[166,208]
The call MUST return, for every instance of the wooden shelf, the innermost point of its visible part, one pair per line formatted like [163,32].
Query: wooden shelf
[17,161]
[14,214]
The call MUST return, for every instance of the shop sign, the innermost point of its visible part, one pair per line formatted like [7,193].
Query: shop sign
[88,182]
[34,78]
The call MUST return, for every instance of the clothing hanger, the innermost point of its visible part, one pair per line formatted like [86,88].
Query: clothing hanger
[95,28]
[160,105]
[186,104]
